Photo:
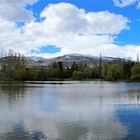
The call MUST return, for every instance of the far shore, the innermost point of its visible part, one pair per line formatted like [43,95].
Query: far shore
[65,80]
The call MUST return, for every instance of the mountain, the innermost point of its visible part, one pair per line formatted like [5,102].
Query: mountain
[36,61]
[67,60]
[78,58]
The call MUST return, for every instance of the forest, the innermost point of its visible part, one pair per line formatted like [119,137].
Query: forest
[13,67]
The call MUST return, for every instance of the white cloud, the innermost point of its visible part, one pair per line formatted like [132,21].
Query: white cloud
[14,10]
[124,3]
[72,29]
[64,17]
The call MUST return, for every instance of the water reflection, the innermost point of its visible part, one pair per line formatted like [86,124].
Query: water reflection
[130,116]
[20,133]
[78,111]
[12,90]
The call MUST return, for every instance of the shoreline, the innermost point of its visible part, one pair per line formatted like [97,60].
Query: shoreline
[70,80]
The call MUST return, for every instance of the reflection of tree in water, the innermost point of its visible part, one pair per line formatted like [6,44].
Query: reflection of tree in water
[19,133]
[13,89]
[134,95]
[12,92]
[138,96]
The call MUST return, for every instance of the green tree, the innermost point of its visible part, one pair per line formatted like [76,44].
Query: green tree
[78,75]
[60,70]
[12,62]
[114,72]
[135,72]
[127,70]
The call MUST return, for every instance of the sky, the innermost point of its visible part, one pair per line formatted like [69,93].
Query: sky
[51,28]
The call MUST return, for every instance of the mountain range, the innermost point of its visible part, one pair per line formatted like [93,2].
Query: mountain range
[69,59]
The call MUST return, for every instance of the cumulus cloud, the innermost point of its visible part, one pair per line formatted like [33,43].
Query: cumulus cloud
[124,3]
[69,28]
[64,17]
[74,30]
[14,10]
[13,38]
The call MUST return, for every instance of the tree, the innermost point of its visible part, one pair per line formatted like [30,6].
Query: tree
[114,72]
[135,72]
[12,62]
[127,69]
[60,70]
[74,66]
[78,75]
[100,66]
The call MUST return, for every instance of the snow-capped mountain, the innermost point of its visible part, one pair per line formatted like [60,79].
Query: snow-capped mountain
[69,59]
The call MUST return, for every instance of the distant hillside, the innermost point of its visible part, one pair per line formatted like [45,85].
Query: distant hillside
[69,59]
[66,59]
[78,58]
[36,61]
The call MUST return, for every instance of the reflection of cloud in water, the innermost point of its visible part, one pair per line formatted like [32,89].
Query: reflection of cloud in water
[67,112]
[72,122]
[94,122]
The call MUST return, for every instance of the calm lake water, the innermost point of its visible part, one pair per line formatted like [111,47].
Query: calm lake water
[70,111]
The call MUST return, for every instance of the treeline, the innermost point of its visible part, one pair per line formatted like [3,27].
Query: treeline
[13,66]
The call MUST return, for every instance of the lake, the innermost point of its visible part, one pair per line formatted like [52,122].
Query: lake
[70,110]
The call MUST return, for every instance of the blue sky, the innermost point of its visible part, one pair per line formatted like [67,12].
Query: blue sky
[110,27]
